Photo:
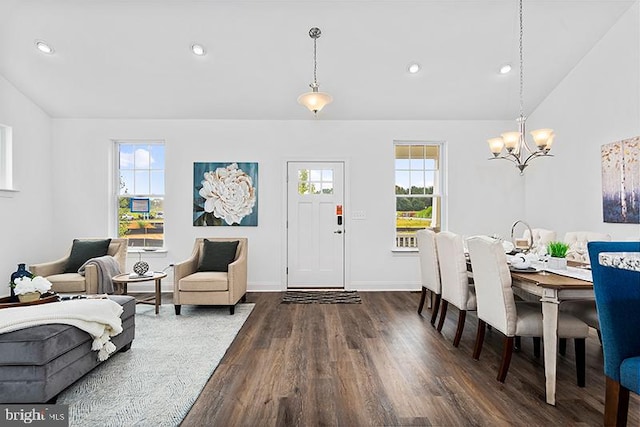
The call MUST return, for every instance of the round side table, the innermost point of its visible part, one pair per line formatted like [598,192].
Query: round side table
[125,278]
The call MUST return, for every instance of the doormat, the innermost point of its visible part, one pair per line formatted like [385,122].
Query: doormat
[321,297]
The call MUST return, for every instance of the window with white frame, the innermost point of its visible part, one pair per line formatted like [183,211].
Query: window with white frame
[419,177]
[6,174]
[140,192]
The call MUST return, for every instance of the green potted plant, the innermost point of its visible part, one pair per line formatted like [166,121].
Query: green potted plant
[558,253]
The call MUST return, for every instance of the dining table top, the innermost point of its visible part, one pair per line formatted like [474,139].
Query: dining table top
[546,279]
[552,280]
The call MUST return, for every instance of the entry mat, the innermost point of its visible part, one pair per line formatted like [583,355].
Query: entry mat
[321,297]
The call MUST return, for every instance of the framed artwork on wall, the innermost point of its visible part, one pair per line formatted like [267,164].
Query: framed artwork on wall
[225,194]
[621,181]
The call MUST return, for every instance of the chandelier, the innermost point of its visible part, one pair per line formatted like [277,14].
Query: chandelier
[315,100]
[515,144]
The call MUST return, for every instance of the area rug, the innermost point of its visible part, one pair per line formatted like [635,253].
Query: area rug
[158,380]
[321,297]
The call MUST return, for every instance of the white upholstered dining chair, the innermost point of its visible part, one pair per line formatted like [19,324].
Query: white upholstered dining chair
[541,237]
[498,308]
[577,241]
[583,310]
[429,271]
[456,289]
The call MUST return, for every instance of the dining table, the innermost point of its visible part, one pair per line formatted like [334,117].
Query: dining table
[553,288]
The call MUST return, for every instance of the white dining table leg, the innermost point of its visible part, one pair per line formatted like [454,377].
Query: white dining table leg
[550,306]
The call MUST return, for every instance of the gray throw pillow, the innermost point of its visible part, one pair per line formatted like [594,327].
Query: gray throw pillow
[84,250]
[216,256]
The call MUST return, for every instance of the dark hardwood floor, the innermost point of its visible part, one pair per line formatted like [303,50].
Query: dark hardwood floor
[380,363]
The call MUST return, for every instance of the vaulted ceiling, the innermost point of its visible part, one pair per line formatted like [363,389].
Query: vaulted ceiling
[132,58]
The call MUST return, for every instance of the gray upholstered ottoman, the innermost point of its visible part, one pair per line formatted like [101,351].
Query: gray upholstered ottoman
[37,363]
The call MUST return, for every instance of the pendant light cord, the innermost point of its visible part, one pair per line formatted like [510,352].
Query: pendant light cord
[521,65]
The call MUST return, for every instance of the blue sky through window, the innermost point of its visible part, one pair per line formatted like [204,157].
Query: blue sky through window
[142,169]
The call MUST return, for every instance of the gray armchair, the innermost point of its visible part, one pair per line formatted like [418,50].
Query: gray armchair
[194,287]
[74,282]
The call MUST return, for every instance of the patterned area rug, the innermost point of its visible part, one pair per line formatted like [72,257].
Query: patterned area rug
[158,380]
[321,297]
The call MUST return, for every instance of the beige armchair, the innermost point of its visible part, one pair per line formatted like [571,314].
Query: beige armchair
[194,287]
[74,282]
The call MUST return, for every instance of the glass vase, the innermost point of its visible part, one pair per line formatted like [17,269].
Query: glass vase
[20,272]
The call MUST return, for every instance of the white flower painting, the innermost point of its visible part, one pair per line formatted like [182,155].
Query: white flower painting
[225,194]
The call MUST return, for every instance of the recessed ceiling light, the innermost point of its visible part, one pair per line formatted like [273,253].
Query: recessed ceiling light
[413,67]
[44,47]
[506,68]
[198,49]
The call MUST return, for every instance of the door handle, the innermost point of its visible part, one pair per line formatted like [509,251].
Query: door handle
[338,232]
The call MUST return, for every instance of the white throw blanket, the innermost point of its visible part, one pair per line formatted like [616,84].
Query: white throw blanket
[100,318]
[107,267]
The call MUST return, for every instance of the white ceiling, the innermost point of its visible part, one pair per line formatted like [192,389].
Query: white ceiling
[131,58]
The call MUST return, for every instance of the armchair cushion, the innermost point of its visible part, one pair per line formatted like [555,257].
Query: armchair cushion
[68,282]
[204,281]
[84,250]
[217,255]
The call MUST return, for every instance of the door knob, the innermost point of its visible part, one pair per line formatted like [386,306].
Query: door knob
[338,232]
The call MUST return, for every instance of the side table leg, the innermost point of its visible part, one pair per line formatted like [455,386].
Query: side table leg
[158,295]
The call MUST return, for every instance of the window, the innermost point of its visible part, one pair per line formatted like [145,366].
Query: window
[315,181]
[6,175]
[418,175]
[140,193]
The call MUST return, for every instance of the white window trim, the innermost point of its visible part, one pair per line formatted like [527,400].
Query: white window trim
[442,194]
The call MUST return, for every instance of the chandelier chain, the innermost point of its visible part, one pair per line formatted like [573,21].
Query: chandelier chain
[521,64]
[315,62]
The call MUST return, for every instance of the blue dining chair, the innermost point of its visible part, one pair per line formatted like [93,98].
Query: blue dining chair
[617,295]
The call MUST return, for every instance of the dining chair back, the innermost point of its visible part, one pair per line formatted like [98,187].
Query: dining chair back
[541,237]
[577,241]
[492,278]
[429,270]
[617,293]
[456,289]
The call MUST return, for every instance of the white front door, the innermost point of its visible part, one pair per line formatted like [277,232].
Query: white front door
[315,225]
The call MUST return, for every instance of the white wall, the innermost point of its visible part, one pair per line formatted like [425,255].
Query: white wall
[64,192]
[481,200]
[26,215]
[597,103]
